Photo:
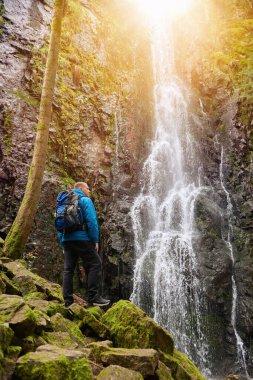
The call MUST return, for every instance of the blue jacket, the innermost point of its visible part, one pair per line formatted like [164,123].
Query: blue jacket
[90,218]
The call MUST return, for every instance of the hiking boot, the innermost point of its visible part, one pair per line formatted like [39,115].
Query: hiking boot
[99,301]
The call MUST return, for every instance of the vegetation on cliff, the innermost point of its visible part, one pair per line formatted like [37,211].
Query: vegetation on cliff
[18,234]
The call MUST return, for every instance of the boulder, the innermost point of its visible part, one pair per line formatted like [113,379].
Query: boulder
[115,372]
[91,324]
[2,285]
[61,339]
[48,307]
[163,372]
[23,320]
[6,335]
[8,353]
[9,286]
[61,324]
[29,282]
[49,362]
[144,361]
[181,367]
[8,362]
[130,327]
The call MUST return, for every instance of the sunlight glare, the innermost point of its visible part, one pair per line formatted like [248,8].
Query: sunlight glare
[154,9]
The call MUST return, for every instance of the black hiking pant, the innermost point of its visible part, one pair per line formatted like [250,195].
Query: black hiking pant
[91,263]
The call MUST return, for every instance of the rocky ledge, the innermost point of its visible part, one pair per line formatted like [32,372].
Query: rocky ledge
[41,339]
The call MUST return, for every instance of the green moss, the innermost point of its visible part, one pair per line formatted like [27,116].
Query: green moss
[60,339]
[2,21]
[25,97]
[181,367]
[35,295]
[59,323]
[96,311]
[6,335]
[10,287]
[163,372]
[131,328]
[52,366]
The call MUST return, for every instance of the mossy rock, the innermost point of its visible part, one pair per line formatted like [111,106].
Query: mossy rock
[21,318]
[130,327]
[91,324]
[141,360]
[2,285]
[36,295]
[96,311]
[60,339]
[163,372]
[9,362]
[53,363]
[29,343]
[48,307]
[9,286]
[61,324]
[97,348]
[29,282]
[115,372]
[77,311]
[181,367]
[6,335]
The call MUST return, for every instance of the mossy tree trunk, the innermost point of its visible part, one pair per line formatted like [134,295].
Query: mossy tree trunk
[18,235]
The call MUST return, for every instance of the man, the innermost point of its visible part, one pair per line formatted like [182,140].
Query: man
[83,244]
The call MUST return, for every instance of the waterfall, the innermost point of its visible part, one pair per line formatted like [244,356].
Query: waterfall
[241,352]
[166,283]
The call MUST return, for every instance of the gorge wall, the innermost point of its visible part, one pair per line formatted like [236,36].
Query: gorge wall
[102,126]
[100,122]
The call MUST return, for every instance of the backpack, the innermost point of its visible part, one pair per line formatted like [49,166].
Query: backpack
[68,216]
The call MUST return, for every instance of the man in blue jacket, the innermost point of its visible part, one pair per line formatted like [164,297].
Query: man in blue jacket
[83,244]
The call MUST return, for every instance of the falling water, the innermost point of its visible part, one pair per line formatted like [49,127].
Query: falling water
[166,281]
[241,352]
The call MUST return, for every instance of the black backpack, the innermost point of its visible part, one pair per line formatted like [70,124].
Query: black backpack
[68,216]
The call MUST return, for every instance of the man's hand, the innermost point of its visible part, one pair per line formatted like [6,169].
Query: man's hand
[96,247]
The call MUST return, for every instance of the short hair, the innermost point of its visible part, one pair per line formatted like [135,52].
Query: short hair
[79,185]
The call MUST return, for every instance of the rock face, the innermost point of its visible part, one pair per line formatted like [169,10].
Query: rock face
[68,343]
[93,136]
[100,132]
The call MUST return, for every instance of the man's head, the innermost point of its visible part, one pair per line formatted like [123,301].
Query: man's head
[83,186]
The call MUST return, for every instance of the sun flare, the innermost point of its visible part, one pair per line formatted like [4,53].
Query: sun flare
[154,9]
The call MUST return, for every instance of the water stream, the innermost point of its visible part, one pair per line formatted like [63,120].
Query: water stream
[166,283]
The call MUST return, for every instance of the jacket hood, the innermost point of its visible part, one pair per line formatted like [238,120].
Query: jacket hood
[79,192]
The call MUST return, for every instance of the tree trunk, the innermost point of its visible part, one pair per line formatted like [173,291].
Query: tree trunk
[18,235]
